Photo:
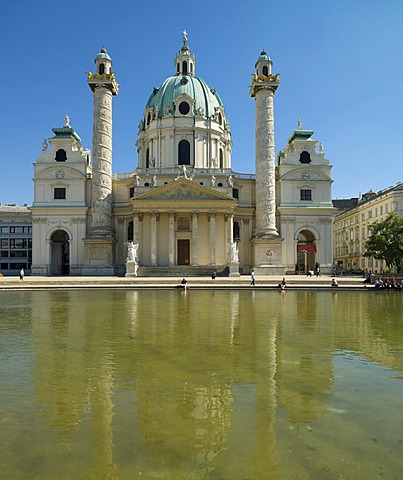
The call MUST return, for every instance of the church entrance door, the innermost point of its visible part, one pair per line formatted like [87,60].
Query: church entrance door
[183,252]
[60,253]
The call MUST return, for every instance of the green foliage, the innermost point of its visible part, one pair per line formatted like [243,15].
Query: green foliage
[386,241]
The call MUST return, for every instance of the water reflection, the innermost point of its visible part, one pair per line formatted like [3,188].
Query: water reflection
[215,384]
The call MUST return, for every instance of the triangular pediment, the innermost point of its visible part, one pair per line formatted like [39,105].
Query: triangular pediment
[182,190]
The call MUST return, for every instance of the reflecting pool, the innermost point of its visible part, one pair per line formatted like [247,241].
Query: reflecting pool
[223,385]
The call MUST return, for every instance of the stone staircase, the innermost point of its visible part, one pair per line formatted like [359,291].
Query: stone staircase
[182,271]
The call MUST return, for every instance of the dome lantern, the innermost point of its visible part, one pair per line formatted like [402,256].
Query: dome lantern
[185,61]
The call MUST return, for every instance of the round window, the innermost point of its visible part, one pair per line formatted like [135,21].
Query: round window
[184,108]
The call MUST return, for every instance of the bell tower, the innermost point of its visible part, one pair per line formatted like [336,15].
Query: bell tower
[99,243]
[267,241]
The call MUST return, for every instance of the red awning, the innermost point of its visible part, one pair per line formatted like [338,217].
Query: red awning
[306,247]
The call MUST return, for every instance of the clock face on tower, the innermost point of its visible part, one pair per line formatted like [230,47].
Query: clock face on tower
[306,176]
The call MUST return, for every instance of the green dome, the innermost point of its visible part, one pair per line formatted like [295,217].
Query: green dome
[102,54]
[196,88]
[263,57]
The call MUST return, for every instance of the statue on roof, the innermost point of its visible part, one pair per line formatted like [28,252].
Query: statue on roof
[185,36]
[67,121]
[299,123]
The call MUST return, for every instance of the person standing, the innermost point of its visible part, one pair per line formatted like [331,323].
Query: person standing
[213,275]
[22,274]
[252,278]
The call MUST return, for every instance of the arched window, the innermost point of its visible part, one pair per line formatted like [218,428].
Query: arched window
[236,232]
[265,70]
[61,155]
[305,157]
[219,118]
[148,118]
[177,68]
[148,158]
[130,232]
[184,153]
[184,67]
[191,67]
[101,68]
[221,159]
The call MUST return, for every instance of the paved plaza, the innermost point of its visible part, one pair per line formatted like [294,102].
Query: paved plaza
[244,281]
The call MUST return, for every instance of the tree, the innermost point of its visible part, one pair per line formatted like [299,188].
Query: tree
[386,241]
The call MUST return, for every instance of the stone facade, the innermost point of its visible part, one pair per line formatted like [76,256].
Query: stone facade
[352,227]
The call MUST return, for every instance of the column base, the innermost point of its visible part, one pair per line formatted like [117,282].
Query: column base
[99,255]
[267,254]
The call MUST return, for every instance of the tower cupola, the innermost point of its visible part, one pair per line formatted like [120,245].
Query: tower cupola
[263,64]
[185,62]
[103,62]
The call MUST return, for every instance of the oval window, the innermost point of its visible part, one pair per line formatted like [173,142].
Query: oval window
[184,108]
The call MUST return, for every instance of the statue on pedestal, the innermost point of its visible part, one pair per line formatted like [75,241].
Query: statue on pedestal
[233,252]
[131,260]
[233,259]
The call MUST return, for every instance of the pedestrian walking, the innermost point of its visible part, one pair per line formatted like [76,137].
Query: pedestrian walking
[252,278]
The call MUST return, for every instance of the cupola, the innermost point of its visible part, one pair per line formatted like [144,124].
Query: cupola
[103,62]
[263,64]
[185,61]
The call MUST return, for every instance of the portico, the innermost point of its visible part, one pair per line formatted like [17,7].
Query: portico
[183,223]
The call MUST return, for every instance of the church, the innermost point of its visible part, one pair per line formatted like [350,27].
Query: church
[183,209]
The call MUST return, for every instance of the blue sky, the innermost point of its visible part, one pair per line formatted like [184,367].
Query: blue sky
[341,69]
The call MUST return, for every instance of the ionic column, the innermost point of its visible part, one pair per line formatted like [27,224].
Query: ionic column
[195,238]
[171,239]
[212,220]
[136,228]
[154,216]
[230,227]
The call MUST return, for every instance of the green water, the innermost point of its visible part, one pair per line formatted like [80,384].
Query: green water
[223,385]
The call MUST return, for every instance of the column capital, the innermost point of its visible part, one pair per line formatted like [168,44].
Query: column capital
[264,82]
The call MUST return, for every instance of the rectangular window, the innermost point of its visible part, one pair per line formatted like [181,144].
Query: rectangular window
[235,193]
[5,229]
[4,253]
[4,266]
[305,195]
[59,193]
[4,243]
[18,254]
[18,243]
